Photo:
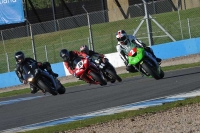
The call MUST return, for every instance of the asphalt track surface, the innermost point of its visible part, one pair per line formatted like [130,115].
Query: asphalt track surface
[89,98]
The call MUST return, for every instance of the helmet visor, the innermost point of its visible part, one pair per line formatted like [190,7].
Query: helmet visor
[20,58]
[121,39]
[85,51]
[66,58]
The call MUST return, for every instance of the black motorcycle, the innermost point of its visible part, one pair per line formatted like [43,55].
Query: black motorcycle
[106,68]
[42,80]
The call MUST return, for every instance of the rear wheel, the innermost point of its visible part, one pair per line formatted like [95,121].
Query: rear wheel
[150,70]
[46,85]
[98,78]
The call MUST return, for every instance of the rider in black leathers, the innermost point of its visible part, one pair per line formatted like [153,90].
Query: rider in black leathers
[21,60]
[90,53]
[94,55]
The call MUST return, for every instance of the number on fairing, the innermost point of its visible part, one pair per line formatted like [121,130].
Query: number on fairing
[79,64]
[132,52]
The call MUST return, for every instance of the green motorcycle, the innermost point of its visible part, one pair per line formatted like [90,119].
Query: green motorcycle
[145,63]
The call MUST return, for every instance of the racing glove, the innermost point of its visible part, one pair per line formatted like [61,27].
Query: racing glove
[74,74]
[25,81]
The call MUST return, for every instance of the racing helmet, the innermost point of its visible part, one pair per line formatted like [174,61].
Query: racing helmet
[84,49]
[64,54]
[122,37]
[19,57]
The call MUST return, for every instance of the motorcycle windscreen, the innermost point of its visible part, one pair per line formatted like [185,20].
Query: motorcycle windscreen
[29,70]
[78,65]
[75,62]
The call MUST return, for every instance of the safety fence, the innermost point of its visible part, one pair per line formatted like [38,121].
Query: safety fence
[165,51]
[43,41]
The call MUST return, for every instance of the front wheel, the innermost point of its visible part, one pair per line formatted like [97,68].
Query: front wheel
[162,74]
[46,85]
[61,90]
[98,78]
[114,75]
[150,70]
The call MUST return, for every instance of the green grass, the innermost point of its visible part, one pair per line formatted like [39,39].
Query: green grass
[103,36]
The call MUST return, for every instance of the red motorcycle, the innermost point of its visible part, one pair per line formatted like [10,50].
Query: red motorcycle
[88,71]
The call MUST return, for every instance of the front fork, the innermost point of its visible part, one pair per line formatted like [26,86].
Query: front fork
[138,69]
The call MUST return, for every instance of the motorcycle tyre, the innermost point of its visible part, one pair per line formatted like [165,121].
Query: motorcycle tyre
[112,81]
[150,70]
[44,85]
[162,74]
[61,90]
[114,75]
[98,78]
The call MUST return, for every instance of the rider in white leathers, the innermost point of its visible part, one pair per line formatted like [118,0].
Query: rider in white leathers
[126,43]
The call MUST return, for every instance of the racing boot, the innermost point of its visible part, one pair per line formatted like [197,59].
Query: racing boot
[54,74]
[158,60]
[33,89]
[148,49]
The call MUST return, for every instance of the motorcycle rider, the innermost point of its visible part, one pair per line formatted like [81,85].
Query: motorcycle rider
[21,60]
[126,43]
[92,54]
[68,58]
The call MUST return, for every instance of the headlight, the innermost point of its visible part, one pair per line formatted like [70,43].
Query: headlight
[30,79]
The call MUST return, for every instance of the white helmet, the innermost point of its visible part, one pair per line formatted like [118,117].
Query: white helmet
[84,49]
[122,37]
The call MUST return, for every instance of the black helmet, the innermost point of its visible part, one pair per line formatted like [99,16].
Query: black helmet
[121,36]
[64,54]
[19,56]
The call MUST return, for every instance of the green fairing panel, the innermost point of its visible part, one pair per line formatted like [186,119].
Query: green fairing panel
[133,60]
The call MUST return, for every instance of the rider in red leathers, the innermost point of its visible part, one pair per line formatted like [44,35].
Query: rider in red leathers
[68,58]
